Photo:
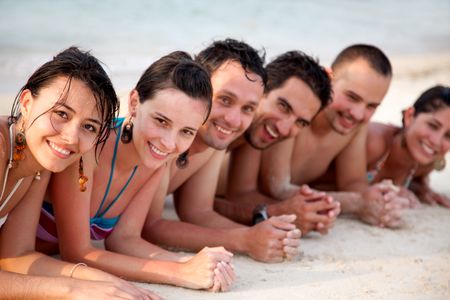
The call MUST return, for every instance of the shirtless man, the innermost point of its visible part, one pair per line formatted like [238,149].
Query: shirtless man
[238,79]
[297,89]
[362,75]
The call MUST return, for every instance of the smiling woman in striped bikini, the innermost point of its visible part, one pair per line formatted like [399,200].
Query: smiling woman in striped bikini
[169,103]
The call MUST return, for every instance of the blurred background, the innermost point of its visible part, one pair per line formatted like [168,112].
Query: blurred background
[129,35]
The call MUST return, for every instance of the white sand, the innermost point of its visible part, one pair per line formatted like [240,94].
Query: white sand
[356,260]
[353,261]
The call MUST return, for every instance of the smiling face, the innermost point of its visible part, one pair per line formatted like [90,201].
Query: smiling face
[165,126]
[357,91]
[59,131]
[427,135]
[282,113]
[236,95]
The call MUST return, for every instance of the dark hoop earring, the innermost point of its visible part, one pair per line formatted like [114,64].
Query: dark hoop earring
[127,132]
[439,164]
[183,160]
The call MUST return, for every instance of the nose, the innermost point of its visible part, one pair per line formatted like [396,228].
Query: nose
[358,112]
[233,118]
[285,126]
[168,141]
[436,139]
[70,133]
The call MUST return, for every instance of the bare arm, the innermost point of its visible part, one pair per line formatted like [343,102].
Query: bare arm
[125,245]
[262,242]
[17,253]
[421,187]
[194,199]
[275,172]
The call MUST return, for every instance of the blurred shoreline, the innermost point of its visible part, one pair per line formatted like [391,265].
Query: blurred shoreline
[412,75]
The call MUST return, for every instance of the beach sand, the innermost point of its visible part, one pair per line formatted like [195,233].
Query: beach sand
[356,260]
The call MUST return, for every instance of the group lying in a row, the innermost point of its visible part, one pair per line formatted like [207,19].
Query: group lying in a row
[234,141]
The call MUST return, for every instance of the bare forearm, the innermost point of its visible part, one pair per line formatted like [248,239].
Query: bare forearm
[208,218]
[193,237]
[138,247]
[281,191]
[350,201]
[18,286]
[35,263]
[238,212]
[128,267]
[240,208]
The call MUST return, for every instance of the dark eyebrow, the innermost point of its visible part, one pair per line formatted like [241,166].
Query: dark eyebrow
[170,121]
[304,121]
[229,93]
[190,128]
[164,117]
[233,95]
[286,102]
[436,121]
[354,95]
[74,112]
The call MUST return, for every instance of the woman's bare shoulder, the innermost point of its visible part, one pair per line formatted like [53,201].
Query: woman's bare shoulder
[379,138]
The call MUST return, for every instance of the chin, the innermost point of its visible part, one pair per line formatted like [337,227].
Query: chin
[55,168]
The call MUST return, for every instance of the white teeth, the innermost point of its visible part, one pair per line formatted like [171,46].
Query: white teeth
[349,119]
[427,149]
[59,149]
[157,151]
[272,133]
[223,130]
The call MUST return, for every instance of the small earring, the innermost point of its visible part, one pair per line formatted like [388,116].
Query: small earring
[127,132]
[439,164]
[21,143]
[82,179]
[183,160]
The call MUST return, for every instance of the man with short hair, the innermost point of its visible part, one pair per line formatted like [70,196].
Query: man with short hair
[336,139]
[296,90]
[238,79]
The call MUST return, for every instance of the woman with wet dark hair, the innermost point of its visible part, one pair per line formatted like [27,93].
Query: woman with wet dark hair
[408,154]
[64,110]
[171,100]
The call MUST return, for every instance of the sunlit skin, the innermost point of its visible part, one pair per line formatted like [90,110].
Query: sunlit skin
[338,134]
[358,91]
[58,135]
[427,139]
[60,125]
[428,135]
[282,113]
[236,95]
[163,127]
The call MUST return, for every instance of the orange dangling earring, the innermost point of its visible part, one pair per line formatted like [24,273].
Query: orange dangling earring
[20,145]
[82,179]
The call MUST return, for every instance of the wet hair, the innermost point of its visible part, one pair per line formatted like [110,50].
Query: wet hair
[373,55]
[432,100]
[176,70]
[304,67]
[219,52]
[80,65]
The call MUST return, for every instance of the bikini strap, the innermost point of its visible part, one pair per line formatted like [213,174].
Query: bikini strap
[100,212]
[9,166]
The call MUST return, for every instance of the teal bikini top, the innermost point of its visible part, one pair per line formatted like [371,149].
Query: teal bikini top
[99,220]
